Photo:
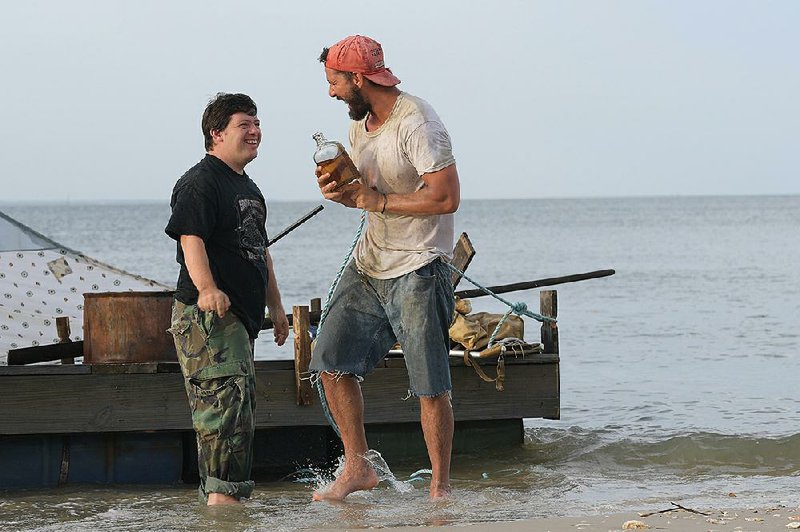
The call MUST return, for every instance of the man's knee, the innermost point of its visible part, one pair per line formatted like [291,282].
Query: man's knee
[439,400]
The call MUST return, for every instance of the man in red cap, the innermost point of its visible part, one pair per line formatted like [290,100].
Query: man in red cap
[397,287]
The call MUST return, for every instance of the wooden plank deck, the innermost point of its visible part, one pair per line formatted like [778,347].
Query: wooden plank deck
[150,397]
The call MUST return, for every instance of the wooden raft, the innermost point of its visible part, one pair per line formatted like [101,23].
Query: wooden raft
[97,398]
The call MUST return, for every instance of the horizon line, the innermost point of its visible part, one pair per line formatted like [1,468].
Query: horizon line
[118,201]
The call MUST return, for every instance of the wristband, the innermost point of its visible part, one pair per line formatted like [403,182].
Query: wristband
[385,200]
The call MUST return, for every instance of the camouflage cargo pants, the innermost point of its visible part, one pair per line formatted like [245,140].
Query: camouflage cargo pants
[216,357]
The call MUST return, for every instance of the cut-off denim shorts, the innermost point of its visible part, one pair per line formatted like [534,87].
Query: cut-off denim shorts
[367,316]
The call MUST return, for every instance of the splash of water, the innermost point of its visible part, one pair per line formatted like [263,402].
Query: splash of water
[385,474]
[322,479]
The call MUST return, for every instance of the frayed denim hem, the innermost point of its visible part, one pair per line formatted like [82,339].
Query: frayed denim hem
[314,376]
[411,393]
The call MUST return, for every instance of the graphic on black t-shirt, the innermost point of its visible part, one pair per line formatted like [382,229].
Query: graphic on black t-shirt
[251,223]
[228,212]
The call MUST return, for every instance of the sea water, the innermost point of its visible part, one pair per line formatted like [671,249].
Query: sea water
[679,374]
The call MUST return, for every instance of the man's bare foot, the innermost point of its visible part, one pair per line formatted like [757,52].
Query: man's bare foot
[440,491]
[360,477]
[215,499]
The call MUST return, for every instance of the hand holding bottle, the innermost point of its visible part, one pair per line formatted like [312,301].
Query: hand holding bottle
[354,195]
[332,158]
[332,191]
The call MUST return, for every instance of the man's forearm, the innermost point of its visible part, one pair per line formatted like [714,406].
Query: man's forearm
[273,298]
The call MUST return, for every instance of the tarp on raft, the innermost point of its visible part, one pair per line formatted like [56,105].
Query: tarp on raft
[41,280]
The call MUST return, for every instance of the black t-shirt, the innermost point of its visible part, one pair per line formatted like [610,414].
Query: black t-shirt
[228,211]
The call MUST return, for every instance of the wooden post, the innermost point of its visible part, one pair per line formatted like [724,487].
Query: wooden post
[302,354]
[316,314]
[62,327]
[548,306]
[462,256]
[316,310]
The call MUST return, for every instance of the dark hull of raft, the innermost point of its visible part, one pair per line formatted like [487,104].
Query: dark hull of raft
[130,423]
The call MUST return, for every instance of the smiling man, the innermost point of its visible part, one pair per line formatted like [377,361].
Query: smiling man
[397,287]
[225,281]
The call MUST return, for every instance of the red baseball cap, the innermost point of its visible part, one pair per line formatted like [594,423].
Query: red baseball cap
[363,55]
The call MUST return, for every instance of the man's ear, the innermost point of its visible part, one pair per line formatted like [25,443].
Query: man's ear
[358,79]
[216,136]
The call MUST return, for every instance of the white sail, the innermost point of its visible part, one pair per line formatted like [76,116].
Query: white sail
[41,280]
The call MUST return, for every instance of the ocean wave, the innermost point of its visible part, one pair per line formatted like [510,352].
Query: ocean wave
[694,454]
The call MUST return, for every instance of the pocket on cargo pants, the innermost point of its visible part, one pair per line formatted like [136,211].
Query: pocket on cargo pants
[194,334]
[221,400]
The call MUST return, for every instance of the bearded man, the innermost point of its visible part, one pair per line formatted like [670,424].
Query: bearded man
[397,287]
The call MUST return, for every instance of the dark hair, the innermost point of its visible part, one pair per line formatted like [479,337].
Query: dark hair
[219,111]
[324,57]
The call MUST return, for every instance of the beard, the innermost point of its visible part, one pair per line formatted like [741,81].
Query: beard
[358,107]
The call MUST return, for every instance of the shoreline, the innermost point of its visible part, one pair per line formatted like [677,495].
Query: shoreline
[773,518]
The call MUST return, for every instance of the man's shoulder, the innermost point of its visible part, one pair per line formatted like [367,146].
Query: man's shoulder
[414,105]
[201,174]
[414,111]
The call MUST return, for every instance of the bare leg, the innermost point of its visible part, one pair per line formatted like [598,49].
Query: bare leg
[436,415]
[215,499]
[347,407]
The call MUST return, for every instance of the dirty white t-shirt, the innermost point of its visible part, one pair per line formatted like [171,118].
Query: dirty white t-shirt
[413,141]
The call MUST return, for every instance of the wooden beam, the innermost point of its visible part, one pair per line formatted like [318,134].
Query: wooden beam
[302,356]
[313,319]
[296,224]
[112,402]
[527,285]
[462,256]
[44,369]
[548,306]
[44,353]
[62,327]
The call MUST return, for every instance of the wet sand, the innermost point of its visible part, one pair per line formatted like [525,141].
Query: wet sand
[748,520]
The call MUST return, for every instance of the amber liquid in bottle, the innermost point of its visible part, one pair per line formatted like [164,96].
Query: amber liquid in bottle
[333,159]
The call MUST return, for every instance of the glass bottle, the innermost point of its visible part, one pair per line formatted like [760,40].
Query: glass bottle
[333,159]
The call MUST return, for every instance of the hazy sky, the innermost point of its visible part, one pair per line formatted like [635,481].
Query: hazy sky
[102,99]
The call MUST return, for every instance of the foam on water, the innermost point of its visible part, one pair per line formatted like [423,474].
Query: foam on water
[322,479]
